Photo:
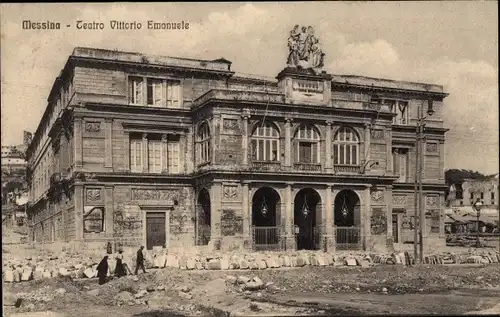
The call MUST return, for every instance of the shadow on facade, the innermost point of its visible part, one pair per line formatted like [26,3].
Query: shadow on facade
[266,207]
[204,219]
[307,216]
[347,219]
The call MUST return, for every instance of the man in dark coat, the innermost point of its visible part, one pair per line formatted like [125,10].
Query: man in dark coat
[140,261]
[102,270]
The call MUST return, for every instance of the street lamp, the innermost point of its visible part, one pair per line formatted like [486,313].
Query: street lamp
[477,207]
[419,210]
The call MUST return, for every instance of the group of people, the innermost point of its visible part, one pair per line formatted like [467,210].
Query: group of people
[121,268]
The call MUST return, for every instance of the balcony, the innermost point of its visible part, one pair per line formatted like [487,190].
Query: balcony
[235,94]
[350,169]
[266,165]
[307,167]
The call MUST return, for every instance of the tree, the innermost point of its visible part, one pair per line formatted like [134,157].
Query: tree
[457,176]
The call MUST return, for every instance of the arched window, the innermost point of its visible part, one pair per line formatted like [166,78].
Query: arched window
[265,143]
[346,147]
[308,141]
[203,139]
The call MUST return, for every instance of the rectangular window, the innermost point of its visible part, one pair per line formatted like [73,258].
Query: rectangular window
[482,195]
[471,196]
[492,198]
[400,164]
[136,156]
[154,156]
[136,95]
[173,156]
[395,228]
[402,113]
[305,149]
[154,92]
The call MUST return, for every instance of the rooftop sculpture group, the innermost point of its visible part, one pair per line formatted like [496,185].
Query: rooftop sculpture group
[305,51]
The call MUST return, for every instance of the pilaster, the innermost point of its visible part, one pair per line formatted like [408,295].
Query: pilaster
[216,137]
[78,144]
[329,234]
[109,210]
[367,145]
[388,199]
[389,164]
[215,212]
[108,143]
[328,145]
[290,243]
[164,154]
[247,239]
[78,199]
[367,217]
[288,140]
[145,153]
[244,143]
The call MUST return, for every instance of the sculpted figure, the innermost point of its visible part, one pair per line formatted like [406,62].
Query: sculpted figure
[293,46]
[315,53]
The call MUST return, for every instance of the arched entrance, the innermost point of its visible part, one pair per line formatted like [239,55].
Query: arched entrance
[203,220]
[307,216]
[266,219]
[347,220]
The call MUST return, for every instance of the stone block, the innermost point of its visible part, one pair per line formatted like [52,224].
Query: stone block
[190,264]
[64,272]
[9,276]
[262,265]
[89,273]
[234,265]
[172,261]
[253,265]
[313,260]
[322,261]
[243,279]
[287,262]
[244,264]
[350,262]
[224,264]
[199,266]
[214,264]
[365,264]
[47,274]
[301,261]
[26,275]
[281,261]
[159,261]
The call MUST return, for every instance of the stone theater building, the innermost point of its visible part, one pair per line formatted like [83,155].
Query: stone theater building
[175,152]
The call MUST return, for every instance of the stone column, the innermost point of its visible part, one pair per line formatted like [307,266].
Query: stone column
[247,214]
[367,145]
[388,199]
[79,203]
[164,154]
[328,146]
[288,141]
[366,219]
[215,213]
[244,142]
[290,243]
[108,143]
[329,234]
[145,153]
[78,142]
[109,210]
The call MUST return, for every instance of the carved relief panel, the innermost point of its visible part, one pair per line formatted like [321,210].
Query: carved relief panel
[231,126]
[171,196]
[399,200]
[377,197]
[431,202]
[231,192]
[378,221]
[94,196]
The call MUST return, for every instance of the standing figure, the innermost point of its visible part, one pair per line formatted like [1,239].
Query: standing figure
[293,47]
[316,55]
[302,45]
[140,261]
[102,270]
[120,267]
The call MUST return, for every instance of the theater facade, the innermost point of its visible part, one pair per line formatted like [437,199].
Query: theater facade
[173,152]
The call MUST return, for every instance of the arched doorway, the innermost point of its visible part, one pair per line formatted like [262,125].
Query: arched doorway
[307,214]
[204,218]
[347,219]
[266,205]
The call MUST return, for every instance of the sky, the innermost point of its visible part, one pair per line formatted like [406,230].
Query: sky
[454,44]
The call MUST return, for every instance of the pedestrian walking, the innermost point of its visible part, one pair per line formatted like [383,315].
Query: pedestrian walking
[140,261]
[120,268]
[102,270]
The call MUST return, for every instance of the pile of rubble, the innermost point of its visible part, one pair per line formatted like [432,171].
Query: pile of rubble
[80,266]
